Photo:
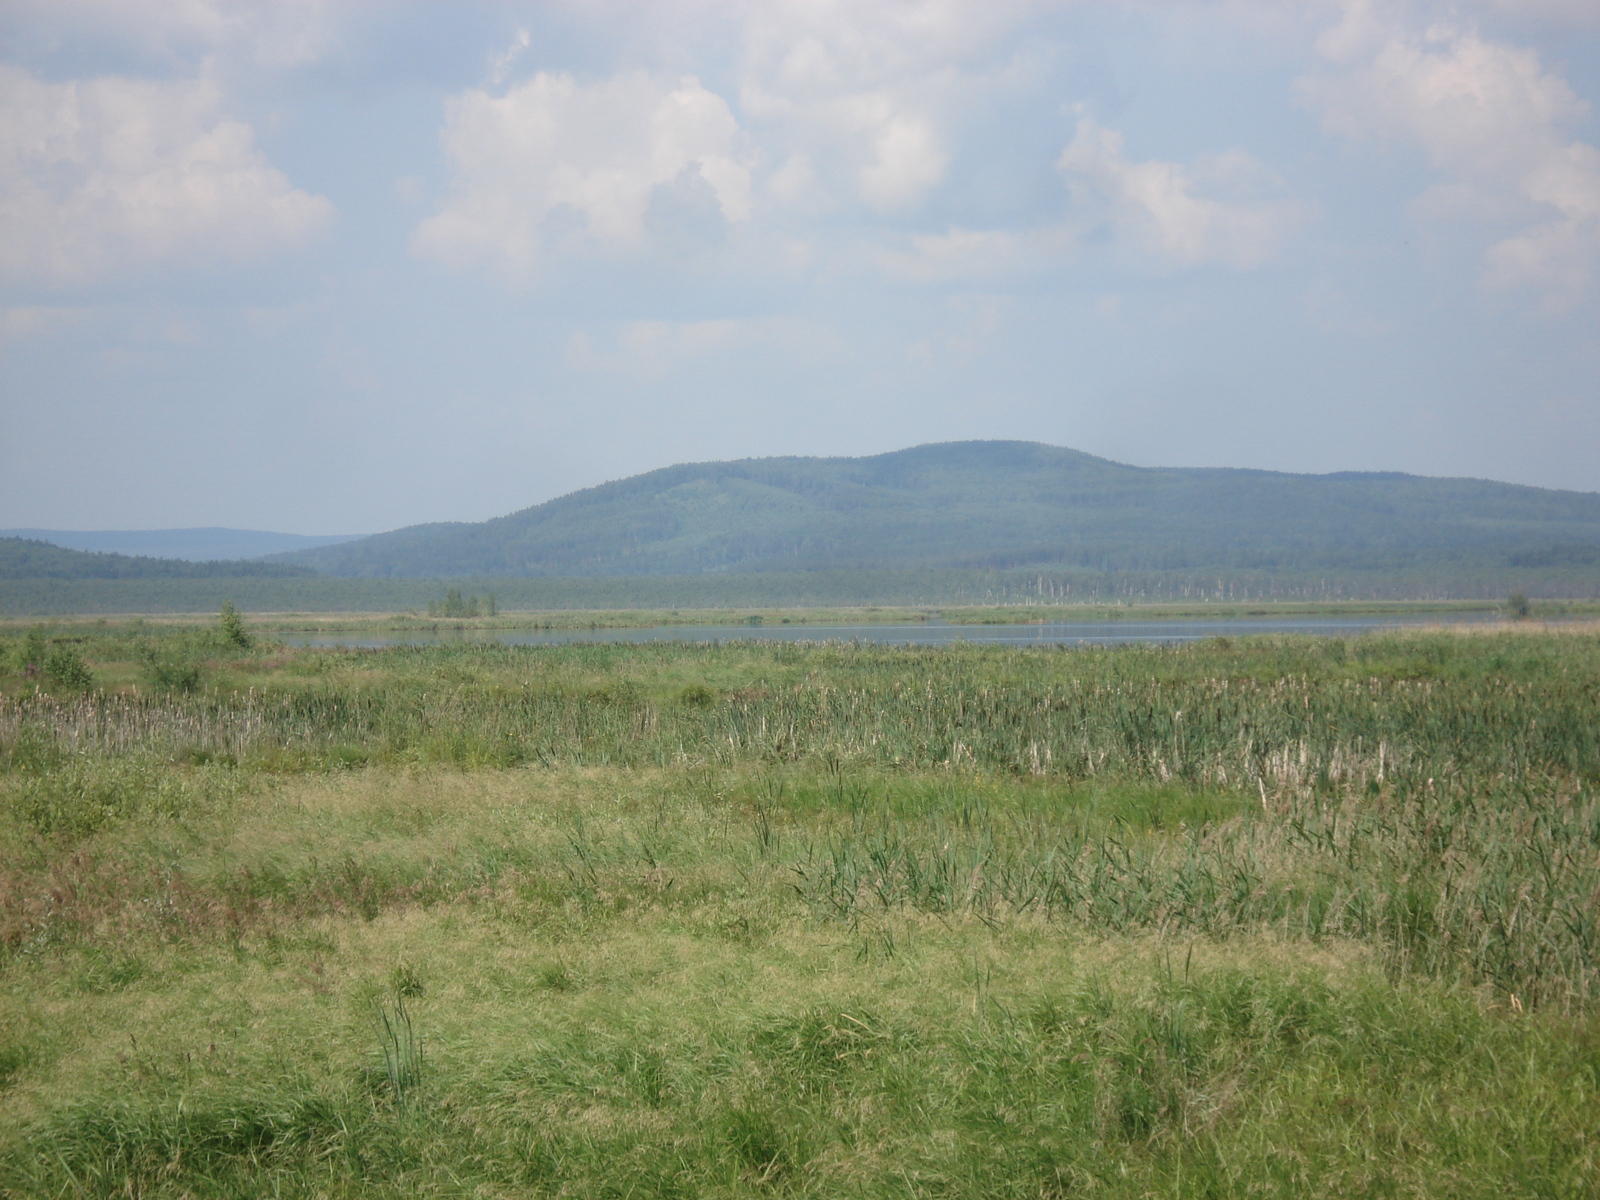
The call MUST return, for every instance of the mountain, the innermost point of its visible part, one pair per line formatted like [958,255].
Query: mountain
[22,558]
[992,505]
[197,545]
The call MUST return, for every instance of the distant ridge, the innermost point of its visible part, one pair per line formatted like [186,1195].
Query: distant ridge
[993,506]
[22,558]
[209,544]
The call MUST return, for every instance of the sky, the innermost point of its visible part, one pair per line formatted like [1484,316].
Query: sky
[340,266]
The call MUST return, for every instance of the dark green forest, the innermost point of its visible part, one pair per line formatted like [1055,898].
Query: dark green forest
[27,559]
[999,507]
[826,589]
[954,524]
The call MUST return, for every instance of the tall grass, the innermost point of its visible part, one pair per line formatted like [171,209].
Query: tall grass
[1400,710]
[1278,917]
[1022,1073]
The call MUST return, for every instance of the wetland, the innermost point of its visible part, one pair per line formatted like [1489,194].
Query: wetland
[1291,914]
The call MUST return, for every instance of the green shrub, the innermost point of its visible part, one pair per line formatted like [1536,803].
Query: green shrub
[64,667]
[697,695]
[170,670]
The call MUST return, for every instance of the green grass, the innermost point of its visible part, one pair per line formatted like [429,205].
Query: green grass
[1275,916]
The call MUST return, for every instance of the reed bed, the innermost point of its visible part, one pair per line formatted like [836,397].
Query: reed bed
[1435,709]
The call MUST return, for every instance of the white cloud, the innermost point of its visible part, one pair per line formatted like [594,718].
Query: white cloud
[851,111]
[597,151]
[106,175]
[1488,118]
[500,65]
[859,102]
[905,158]
[1228,208]
[871,147]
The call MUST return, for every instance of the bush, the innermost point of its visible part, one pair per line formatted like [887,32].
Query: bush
[64,667]
[171,671]
[1518,607]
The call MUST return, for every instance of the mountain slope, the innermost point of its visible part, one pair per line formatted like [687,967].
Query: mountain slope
[209,544]
[21,558]
[990,505]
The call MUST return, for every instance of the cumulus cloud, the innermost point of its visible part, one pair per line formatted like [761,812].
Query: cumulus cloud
[1226,209]
[858,103]
[105,175]
[1488,117]
[853,113]
[871,147]
[552,152]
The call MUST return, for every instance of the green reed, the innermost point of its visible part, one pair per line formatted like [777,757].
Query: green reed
[1430,794]
[1336,712]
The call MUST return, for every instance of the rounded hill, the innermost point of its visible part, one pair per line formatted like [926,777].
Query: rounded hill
[988,504]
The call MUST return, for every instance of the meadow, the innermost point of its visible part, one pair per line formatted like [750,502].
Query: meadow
[1287,916]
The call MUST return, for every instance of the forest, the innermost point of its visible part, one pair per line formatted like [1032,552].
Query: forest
[29,560]
[1024,589]
[1002,507]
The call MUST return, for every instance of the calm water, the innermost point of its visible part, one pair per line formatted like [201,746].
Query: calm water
[927,633]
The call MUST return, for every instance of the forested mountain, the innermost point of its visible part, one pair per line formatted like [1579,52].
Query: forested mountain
[209,544]
[993,505]
[23,558]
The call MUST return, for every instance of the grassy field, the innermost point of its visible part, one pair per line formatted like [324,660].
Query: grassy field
[1271,916]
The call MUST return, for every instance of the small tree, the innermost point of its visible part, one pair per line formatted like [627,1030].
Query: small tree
[232,627]
[1518,607]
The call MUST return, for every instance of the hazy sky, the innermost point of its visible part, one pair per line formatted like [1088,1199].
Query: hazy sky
[338,267]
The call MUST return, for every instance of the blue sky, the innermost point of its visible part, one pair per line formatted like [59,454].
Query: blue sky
[338,267]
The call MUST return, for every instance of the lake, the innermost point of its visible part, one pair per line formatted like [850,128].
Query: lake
[922,633]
